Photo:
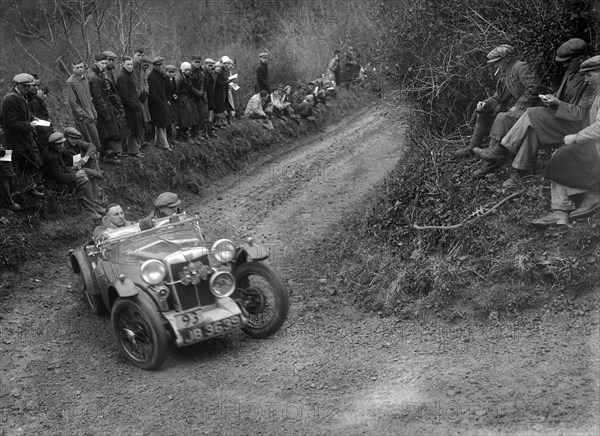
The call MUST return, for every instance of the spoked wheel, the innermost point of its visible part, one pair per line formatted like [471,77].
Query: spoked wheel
[140,333]
[262,293]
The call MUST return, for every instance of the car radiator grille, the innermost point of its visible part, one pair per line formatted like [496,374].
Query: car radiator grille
[191,296]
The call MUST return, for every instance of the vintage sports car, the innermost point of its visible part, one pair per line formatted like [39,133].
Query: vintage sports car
[166,285]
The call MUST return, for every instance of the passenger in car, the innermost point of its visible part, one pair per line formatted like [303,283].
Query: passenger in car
[166,204]
[113,219]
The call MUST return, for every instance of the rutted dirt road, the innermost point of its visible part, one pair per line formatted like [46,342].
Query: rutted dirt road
[331,369]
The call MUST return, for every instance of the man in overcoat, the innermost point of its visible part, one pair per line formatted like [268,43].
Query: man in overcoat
[108,126]
[262,74]
[131,103]
[79,99]
[158,103]
[19,129]
[574,170]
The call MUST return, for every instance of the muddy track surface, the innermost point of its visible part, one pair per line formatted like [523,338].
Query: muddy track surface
[331,369]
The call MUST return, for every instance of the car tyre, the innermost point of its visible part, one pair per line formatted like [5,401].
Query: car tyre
[263,296]
[140,333]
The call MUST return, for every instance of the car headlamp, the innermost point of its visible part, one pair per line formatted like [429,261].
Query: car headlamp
[153,271]
[223,250]
[222,284]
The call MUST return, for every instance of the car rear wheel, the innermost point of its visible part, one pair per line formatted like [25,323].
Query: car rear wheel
[139,332]
[264,297]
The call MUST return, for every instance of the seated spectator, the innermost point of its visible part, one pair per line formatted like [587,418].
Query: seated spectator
[564,113]
[514,90]
[574,170]
[113,219]
[73,178]
[6,175]
[82,155]
[301,105]
[255,109]
[281,107]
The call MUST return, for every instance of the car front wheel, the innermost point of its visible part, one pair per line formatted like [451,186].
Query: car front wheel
[139,332]
[264,297]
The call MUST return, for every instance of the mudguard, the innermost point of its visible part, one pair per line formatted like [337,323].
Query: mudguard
[125,287]
[251,252]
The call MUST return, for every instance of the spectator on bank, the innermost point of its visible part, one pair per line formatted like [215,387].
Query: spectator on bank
[228,65]
[6,178]
[300,103]
[281,107]
[79,99]
[255,109]
[334,71]
[262,74]
[172,97]
[200,99]
[72,178]
[352,71]
[85,153]
[36,99]
[564,113]
[574,170]
[209,87]
[220,94]
[109,72]
[19,127]
[109,130]
[131,104]
[82,155]
[521,88]
[158,103]
[186,107]
[141,63]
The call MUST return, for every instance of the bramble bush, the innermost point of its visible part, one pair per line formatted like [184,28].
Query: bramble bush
[432,55]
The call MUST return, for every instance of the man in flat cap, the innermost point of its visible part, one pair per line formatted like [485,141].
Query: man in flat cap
[110,132]
[200,82]
[262,74]
[517,88]
[80,101]
[564,112]
[166,204]
[131,104]
[73,177]
[109,72]
[19,126]
[158,103]
[141,63]
[574,170]
[172,97]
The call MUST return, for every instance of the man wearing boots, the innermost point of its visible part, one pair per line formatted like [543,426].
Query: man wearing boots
[57,172]
[574,170]
[517,89]
[564,113]
[19,129]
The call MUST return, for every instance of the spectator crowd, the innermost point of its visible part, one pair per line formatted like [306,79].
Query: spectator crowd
[119,109]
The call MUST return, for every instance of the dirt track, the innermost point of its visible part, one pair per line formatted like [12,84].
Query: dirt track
[331,369]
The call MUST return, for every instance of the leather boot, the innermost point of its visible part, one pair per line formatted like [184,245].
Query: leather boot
[480,130]
[487,168]
[495,152]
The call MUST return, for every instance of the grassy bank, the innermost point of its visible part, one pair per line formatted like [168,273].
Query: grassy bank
[55,221]
[493,264]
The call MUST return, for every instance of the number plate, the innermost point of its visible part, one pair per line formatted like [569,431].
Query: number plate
[190,319]
[208,329]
